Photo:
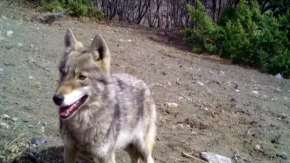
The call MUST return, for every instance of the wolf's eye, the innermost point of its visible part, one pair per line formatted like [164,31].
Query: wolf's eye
[82,77]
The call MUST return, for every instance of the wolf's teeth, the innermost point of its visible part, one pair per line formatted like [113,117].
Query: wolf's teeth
[67,112]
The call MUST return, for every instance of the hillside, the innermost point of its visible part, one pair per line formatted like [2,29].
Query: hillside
[222,108]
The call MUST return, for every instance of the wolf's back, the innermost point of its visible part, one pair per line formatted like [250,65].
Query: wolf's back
[136,103]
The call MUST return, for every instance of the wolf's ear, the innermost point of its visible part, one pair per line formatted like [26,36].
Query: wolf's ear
[101,53]
[70,42]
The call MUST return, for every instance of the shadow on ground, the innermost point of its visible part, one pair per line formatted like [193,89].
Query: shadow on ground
[49,155]
[173,37]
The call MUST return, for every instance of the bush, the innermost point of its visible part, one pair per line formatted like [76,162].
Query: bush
[74,7]
[227,14]
[245,36]
[203,27]
[77,8]
[93,12]
[53,6]
[285,23]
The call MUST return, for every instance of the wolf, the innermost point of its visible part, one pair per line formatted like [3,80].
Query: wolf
[100,112]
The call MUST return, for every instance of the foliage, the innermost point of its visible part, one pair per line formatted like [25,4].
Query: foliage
[248,37]
[74,7]
[54,6]
[93,12]
[227,14]
[77,8]
[203,27]
[277,7]
[285,23]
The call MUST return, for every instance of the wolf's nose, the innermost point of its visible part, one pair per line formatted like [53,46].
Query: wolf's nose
[58,99]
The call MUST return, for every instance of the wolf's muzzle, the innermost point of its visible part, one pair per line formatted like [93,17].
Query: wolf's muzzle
[58,99]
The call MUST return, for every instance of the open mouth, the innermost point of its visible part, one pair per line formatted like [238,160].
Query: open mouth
[68,111]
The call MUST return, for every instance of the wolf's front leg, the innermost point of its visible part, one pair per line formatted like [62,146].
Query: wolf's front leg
[70,155]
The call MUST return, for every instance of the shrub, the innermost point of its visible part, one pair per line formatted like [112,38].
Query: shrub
[203,27]
[53,6]
[77,8]
[227,14]
[285,23]
[74,7]
[245,36]
[93,12]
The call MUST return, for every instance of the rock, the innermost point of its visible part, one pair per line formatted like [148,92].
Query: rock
[162,120]
[265,97]
[214,158]
[8,47]
[4,125]
[172,104]
[38,141]
[282,155]
[238,91]
[180,126]
[9,64]
[9,33]
[163,72]
[233,85]
[257,147]
[20,44]
[278,90]
[42,129]
[14,119]
[44,124]
[278,76]
[283,116]
[199,83]
[255,92]
[193,132]
[5,116]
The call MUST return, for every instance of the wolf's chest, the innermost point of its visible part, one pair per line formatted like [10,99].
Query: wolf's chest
[87,141]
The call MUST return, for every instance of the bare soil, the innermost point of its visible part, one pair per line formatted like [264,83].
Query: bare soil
[226,109]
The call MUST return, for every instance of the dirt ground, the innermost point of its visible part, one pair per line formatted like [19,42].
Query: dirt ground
[226,109]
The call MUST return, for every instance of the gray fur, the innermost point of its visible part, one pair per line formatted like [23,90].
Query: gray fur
[119,112]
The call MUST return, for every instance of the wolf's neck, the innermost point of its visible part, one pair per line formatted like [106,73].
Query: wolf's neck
[90,117]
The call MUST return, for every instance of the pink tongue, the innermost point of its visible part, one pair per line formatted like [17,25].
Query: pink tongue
[62,111]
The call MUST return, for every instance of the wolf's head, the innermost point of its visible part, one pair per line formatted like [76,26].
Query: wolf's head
[84,72]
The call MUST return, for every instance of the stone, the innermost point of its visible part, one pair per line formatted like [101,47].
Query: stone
[282,155]
[39,141]
[172,104]
[215,158]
